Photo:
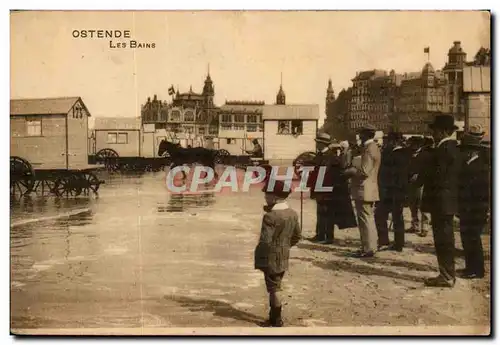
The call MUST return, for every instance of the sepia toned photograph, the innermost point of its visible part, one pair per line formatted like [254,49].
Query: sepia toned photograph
[250,173]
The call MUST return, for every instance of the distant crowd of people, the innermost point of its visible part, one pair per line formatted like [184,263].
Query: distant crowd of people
[437,177]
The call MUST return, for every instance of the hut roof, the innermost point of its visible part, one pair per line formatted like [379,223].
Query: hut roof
[291,112]
[43,106]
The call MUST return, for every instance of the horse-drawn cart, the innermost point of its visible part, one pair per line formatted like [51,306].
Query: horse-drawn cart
[126,144]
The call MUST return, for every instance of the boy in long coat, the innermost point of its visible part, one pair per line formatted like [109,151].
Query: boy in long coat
[279,232]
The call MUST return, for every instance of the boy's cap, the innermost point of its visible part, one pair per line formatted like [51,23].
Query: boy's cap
[278,189]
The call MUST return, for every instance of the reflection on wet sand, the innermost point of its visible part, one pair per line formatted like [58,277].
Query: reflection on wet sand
[182,202]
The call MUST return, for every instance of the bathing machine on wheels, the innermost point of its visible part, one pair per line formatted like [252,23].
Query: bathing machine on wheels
[48,147]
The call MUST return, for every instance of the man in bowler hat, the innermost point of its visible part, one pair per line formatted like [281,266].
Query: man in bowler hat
[280,231]
[440,197]
[364,190]
[473,201]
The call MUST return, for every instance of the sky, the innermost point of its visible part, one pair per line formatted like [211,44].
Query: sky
[246,52]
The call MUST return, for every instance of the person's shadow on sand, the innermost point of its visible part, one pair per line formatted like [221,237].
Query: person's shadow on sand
[218,308]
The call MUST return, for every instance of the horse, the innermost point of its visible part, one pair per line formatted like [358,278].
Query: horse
[191,155]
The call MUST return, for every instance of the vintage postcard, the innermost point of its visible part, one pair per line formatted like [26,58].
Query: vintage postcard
[250,172]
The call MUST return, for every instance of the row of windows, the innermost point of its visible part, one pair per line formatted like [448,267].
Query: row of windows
[359,124]
[371,117]
[240,118]
[241,127]
[191,129]
[117,138]
[371,107]
[189,116]
[290,127]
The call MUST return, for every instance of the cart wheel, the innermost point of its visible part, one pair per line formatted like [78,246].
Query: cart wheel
[221,155]
[22,187]
[77,183]
[109,158]
[65,185]
[22,176]
[91,182]
[304,159]
[49,185]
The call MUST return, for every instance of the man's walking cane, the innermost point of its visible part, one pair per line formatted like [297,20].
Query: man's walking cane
[301,206]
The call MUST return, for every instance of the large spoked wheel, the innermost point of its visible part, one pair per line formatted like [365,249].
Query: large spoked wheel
[221,156]
[91,182]
[45,186]
[302,160]
[109,158]
[22,176]
[68,185]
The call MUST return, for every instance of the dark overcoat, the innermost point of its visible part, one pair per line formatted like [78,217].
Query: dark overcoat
[279,232]
[394,188]
[323,160]
[474,189]
[341,203]
[440,195]
[339,199]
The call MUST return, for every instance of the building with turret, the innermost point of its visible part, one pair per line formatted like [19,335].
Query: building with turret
[454,75]
[189,112]
[406,101]
[280,96]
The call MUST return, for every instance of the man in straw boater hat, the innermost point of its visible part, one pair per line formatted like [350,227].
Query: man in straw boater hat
[364,190]
[473,201]
[280,231]
[440,197]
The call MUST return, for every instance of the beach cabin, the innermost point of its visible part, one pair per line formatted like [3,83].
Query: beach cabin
[289,130]
[477,94]
[50,133]
[121,134]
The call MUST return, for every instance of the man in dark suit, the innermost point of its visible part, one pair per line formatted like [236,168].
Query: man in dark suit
[440,197]
[422,154]
[415,146]
[473,201]
[393,185]
[324,213]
